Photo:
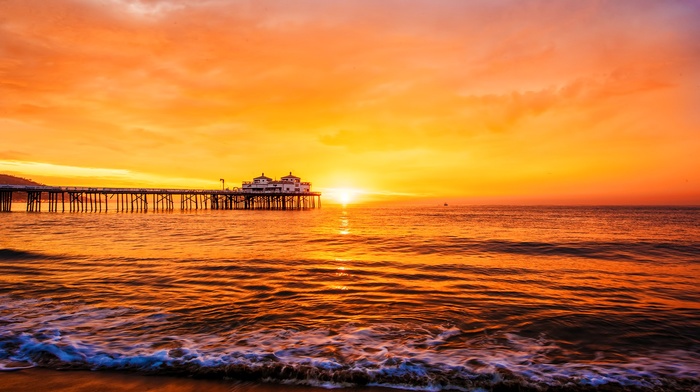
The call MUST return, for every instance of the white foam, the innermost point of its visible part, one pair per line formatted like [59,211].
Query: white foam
[103,339]
[13,366]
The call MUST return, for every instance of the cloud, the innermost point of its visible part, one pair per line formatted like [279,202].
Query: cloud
[42,168]
[115,177]
[371,140]
[12,155]
[200,88]
[147,9]
[502,112]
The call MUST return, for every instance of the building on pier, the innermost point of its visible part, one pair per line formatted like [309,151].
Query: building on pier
[287,184]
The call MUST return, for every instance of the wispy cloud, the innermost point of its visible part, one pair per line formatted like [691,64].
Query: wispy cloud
[105,175]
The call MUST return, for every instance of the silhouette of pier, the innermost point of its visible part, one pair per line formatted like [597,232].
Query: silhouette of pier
[83,199]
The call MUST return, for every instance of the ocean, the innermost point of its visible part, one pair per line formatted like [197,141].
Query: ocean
[474,298]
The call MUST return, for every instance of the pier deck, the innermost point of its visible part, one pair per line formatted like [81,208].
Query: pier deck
[84,199]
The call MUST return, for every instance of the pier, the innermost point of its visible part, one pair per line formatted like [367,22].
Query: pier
[83,199]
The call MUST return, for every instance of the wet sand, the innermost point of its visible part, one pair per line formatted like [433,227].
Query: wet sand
[36,379]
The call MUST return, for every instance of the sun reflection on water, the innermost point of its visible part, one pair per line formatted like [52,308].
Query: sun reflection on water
[344,223]
[341,272]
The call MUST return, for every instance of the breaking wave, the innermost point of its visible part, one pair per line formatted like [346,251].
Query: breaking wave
[356,356]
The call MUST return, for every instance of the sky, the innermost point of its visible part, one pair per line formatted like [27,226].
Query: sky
[473,102]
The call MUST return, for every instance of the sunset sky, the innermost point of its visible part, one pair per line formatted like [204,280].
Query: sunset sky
[594,102]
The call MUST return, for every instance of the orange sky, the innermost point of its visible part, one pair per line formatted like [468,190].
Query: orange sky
[468,101]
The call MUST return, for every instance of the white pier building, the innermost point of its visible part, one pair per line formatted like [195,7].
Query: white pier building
[287,184]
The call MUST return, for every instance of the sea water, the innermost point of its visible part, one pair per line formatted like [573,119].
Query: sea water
[423,298]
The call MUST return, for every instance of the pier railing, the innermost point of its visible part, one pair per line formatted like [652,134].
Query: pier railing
[91,199]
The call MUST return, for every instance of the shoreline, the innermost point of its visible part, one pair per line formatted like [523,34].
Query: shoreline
[42,379]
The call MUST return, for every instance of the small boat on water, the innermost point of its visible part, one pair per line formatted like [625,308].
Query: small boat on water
[445,204]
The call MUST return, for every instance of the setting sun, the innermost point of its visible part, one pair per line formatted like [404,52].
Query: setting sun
[341,195]
[345,197]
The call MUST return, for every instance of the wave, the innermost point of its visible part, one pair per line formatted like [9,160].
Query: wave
[356,356]
[14,254]
[642,251]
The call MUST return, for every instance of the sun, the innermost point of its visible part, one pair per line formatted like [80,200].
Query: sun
[345,196]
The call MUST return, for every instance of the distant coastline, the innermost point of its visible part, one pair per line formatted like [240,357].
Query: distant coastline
[7,179]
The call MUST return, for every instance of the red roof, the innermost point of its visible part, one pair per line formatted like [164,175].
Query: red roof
[290,176]
[262,177]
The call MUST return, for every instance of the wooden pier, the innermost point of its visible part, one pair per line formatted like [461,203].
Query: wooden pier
[79,199]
